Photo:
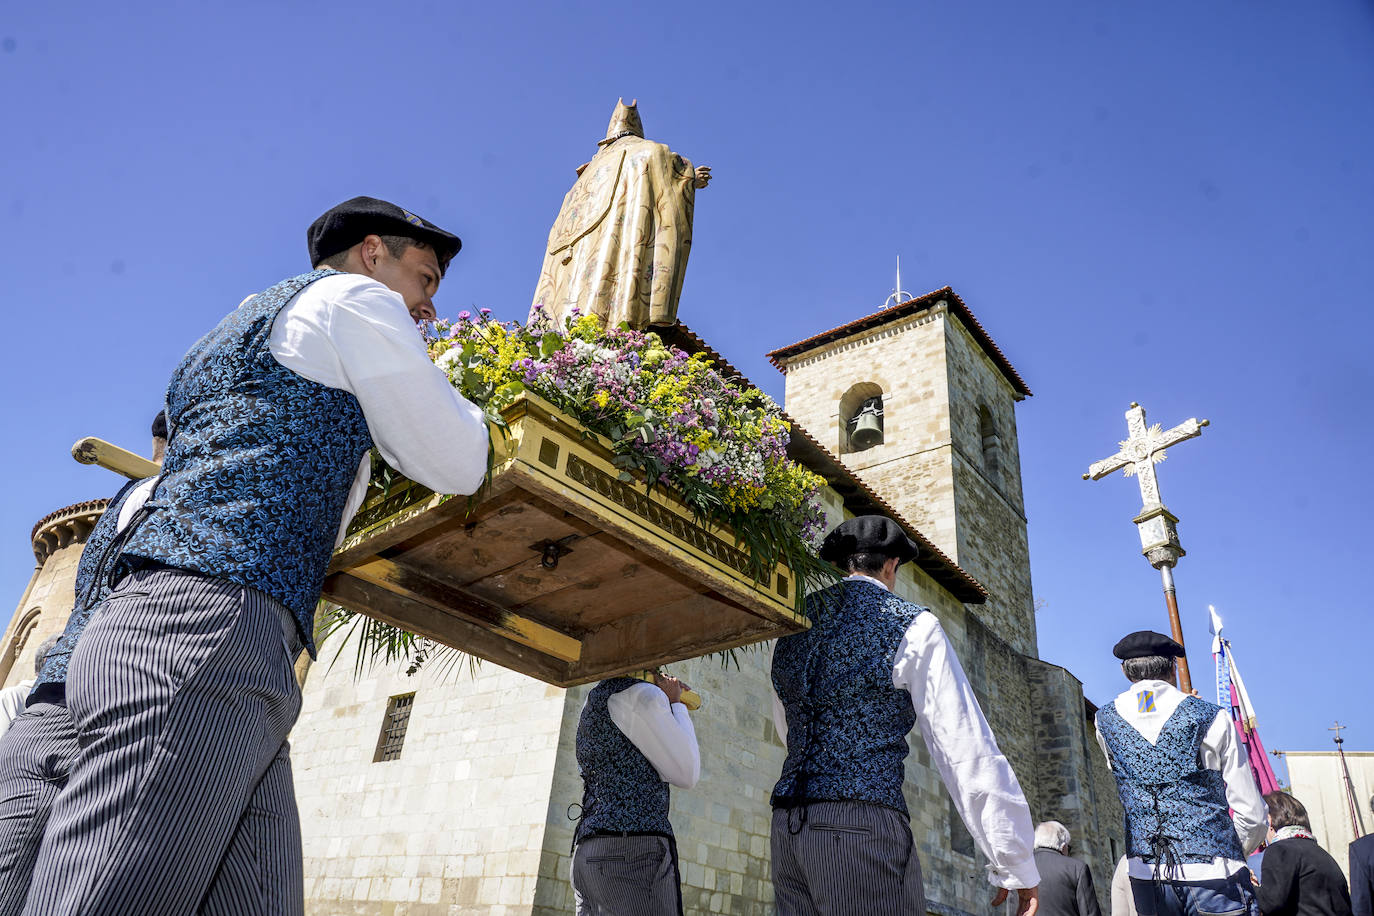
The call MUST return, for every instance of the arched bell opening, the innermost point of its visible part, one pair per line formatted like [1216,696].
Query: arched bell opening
[992,443]
[861,418]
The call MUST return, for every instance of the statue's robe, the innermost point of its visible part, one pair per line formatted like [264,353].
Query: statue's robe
[619,247]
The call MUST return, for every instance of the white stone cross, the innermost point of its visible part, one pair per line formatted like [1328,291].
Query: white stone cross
[1143,450]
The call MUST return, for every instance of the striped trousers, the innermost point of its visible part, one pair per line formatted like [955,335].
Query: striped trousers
[35,756]
[180,800]
[626,876]
[845,858]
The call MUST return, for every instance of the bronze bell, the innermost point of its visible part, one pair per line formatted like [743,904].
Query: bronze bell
[868,432]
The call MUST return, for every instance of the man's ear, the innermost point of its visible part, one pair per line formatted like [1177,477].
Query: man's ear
[370,250]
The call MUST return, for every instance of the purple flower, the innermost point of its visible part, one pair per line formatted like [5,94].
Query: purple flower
[464,315]
[485,312]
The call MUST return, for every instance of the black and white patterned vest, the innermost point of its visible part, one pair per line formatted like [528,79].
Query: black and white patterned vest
[622,792]
[259,466]
[846,722]
[1176,810]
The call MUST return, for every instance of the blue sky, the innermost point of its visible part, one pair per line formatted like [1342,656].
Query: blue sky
[1167,203]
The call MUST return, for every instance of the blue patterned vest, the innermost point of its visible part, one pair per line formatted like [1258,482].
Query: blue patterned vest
[846,723]
[621,790]
[52,677]
[259,466]
[1176,809]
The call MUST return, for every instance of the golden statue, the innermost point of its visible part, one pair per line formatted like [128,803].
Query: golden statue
[619,247]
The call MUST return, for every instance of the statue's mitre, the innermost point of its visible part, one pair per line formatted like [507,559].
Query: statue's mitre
[624,120]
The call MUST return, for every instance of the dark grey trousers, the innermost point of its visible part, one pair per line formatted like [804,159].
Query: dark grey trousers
[845,859]
[625,876]
[182,693]
[35,757]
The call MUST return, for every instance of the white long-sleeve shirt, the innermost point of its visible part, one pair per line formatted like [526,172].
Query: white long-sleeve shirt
[662,732]
[979,778]
[350,332]
[12,701]
[1220,751]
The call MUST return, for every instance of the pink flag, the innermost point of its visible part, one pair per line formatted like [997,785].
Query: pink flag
[1231,695]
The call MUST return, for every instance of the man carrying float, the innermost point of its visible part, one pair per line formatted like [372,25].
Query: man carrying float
[273,415]
[846,693]
[634,739]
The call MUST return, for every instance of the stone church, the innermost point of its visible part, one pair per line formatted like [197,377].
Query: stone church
[448,792]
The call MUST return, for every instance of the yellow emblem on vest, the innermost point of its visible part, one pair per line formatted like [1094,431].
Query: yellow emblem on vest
[1146,698]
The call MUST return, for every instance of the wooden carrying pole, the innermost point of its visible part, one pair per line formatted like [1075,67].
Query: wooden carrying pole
[91,450]
[1185,680]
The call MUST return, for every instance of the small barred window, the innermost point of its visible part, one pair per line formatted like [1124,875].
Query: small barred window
[394,727]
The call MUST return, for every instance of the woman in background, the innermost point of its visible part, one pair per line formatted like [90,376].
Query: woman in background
[1299,877]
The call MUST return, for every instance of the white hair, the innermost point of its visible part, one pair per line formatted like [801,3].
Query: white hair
[1051,835]
[42,651]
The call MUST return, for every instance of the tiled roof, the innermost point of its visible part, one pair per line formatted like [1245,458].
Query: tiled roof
[915,306]
[859,498]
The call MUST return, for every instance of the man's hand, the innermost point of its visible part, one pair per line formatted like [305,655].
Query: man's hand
[671,686]
[1027,900]
[703,174]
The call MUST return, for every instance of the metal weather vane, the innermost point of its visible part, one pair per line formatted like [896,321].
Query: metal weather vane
[1137,456]
[898,295]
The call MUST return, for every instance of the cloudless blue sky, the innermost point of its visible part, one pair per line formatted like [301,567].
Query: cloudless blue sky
[1167,202]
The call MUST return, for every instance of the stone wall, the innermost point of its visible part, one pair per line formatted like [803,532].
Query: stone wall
[456,824]
[991,543]
[1074,785]
[43,613]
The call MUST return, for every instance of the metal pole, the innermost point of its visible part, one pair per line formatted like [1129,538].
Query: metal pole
[1185,681]
[1349,789]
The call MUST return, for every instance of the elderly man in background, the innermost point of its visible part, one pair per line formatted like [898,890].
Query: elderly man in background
[1066,884]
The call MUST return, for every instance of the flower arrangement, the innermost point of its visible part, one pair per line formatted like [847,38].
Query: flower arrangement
[671,419]
[670,416]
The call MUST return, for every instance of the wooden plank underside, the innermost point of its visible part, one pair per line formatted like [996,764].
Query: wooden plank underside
[410,584]
[637,535]
[424,620]
[683,629]
[602,579]
[450,514]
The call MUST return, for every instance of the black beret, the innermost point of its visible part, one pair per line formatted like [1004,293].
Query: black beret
[353,220]
[1143,643]
[159,429]
[867,534]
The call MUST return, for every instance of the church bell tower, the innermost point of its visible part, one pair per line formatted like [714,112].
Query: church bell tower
[918,400]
